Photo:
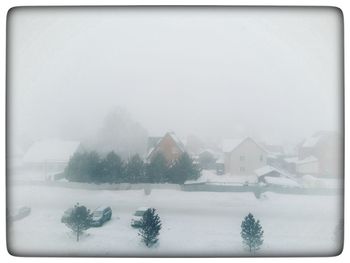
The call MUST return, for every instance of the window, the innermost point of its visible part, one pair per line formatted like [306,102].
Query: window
[241,169]
[242,158]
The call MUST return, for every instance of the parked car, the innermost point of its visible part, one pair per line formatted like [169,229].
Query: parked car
[101,215]
[137,217]
[66,215]
[19,213]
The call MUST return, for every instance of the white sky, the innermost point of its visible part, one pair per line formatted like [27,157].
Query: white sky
[215,72]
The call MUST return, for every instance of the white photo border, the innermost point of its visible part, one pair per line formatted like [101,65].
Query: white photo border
[5,5]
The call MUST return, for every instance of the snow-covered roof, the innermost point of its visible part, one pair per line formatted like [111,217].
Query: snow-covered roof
[220,160]
[311,141]
[210,151]
[51,151]
[228,145]
[294,159]
[265,170]
[273,149]
[177,140]
[281,181]
[308,159]
[150,150]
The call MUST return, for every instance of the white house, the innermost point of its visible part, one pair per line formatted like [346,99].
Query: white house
[48,157]
[327,148]
[308,165]
[243,156]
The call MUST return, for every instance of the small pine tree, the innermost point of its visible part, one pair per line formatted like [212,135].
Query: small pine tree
[150,227]
[252,233]
[79,220]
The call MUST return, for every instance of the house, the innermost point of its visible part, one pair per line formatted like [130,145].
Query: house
[275,155]
[327,148]
[48,157]
[169,145]
[308,165]
[243,156]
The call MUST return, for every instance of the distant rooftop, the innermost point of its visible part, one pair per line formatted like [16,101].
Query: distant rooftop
[51,150]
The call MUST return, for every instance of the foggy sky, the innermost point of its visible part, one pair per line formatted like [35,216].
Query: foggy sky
[215,72]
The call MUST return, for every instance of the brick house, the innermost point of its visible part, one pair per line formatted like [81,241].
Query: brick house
[169,145]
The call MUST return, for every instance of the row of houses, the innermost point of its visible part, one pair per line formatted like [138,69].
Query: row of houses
[320,155]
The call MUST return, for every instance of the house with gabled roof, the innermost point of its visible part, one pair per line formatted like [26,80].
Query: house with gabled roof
[170,146]
[49,157]
[322,154]
[243,156]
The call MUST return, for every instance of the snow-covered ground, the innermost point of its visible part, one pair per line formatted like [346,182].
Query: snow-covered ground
[194,223]
[210,177]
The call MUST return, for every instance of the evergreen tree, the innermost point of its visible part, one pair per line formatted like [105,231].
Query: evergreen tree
[183,169]
[112,168]
[94,167]
[79,220]
[150,227]
[157,169]
[84,167]
[135,170]
[252,233]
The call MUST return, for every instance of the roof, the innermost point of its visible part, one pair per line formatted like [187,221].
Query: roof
[220,160]
[211,152]
[274,149]
[177,140]
[51,151]
[229,145]
[265,170]
[294,159]
[174,138]
[309,159]
[152,141]
[311,142]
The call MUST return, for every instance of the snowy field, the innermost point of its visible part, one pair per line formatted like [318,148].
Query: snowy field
[194,223]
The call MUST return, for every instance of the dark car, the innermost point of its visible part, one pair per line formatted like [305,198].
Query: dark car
[101,215]
[18,214]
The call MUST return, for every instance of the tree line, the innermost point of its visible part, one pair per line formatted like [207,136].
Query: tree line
[91,167]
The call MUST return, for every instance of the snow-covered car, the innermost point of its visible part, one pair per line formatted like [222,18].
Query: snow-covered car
[101,215]
[137,217]
[20,213]
[66,215]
